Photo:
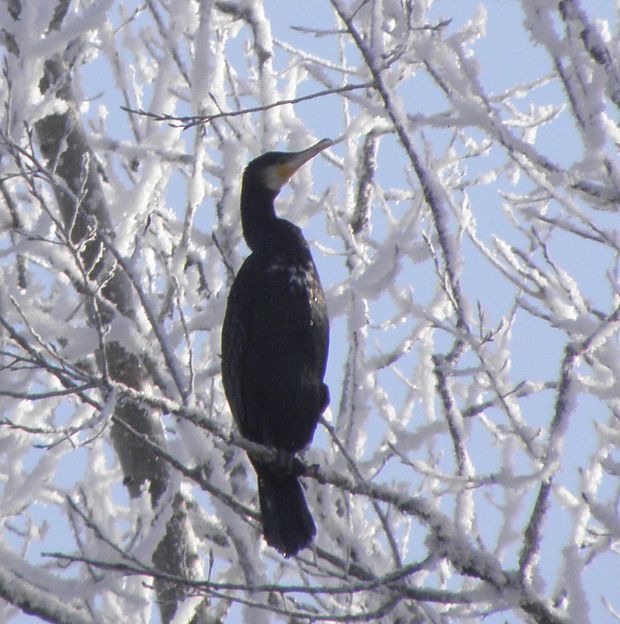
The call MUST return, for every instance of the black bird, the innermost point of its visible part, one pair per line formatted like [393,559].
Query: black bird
[274,345]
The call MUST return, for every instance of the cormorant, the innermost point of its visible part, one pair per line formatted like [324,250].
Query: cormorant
[274,345]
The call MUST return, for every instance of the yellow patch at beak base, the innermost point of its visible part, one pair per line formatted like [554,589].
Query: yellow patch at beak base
[285,171]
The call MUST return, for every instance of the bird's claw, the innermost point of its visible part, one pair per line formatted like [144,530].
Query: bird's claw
[286,464]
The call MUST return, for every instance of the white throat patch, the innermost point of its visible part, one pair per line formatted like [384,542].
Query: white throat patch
[273,181]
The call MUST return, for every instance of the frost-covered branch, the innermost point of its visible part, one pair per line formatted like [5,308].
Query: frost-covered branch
[38,603]
[464,226]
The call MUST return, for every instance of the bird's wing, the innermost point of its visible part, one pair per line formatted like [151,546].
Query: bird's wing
[274,349]
[234,341]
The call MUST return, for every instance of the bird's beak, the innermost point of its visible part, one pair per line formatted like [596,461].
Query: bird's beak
[296,159]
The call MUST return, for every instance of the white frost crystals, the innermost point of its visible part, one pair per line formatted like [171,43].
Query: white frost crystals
[465,226]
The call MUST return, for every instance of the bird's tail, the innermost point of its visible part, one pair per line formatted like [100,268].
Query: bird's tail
[287,523]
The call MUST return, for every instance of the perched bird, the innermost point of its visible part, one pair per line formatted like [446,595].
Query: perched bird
[274,345]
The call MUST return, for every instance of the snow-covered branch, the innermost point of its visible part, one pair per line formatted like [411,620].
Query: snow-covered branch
[464,224]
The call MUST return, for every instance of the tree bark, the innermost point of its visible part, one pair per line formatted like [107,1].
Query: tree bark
[78,186]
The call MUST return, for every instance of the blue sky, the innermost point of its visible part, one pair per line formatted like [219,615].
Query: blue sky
[506,56]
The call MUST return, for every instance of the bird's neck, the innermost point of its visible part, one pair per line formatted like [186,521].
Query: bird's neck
[258,216]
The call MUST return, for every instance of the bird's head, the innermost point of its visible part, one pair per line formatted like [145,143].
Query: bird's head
[274,169]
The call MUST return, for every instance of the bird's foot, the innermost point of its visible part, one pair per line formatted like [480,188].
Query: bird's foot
[286,464]
[313,471]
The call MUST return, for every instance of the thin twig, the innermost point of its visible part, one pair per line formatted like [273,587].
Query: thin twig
[190,121]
